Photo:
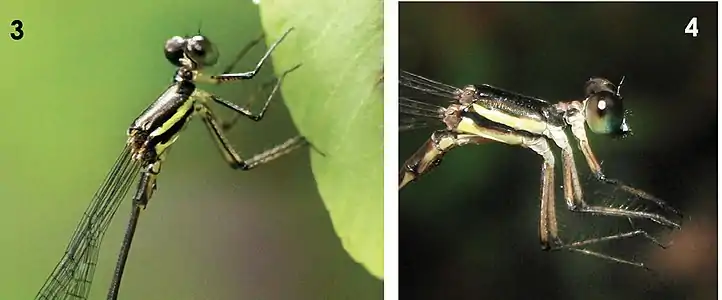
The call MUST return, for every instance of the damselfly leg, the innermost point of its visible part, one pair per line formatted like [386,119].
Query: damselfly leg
[549,233]
[228,152]
[217,127]
[227,125]
[576,123]
[249,74]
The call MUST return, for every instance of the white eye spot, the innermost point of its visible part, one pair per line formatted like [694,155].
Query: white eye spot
[601,105]
[256,2]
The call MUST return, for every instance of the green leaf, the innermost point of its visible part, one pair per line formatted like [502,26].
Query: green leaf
[336,100]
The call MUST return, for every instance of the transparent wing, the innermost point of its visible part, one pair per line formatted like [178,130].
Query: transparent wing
[415,114]
[426,90]
[72,277]
[422,101]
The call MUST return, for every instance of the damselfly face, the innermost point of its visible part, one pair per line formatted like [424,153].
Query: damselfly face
[603,108]
[193,52]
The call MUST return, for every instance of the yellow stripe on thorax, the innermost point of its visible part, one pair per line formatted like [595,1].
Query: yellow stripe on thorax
[469,126]
[526,124]
[177,116]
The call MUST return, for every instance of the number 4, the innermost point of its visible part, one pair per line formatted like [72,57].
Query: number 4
[692,27]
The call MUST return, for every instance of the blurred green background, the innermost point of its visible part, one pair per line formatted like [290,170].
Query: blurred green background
[71,87]
[469,230]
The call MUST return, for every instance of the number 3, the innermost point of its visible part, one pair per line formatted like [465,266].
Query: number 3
[18,34]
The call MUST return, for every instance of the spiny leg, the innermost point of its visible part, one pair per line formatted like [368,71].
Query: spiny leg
[572,186]
[255,117]
[230,154]
[577,246]
[217,130]
[577,203]
[576,120]
[227,125]
[242,53]
[280,150]
[595,167]
[549,232]
[250,74]
[613,237]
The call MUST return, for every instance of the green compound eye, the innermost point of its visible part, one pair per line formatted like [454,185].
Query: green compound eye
[605,114]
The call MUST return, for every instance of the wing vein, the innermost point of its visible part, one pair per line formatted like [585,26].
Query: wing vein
[73,275]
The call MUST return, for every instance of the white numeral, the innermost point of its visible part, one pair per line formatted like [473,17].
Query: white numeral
[692,27]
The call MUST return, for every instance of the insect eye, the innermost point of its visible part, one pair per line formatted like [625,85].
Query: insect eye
[596,85]
[174,50]
[201,51]
[605,114]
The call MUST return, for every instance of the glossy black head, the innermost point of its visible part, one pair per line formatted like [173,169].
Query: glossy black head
[194,52]
[604,111]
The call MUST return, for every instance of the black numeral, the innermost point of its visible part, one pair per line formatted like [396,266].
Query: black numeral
[18,33]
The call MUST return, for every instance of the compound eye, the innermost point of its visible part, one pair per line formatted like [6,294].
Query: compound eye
[605,114]
[598,84]
[174,50]
[201,51]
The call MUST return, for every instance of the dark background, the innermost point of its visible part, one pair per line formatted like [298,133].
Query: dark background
[469,230]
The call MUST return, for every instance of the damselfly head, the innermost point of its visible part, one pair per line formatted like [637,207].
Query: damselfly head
[604,110]
[193,52]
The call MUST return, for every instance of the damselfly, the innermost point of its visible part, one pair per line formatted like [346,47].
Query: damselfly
[149,137]
[477,114]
